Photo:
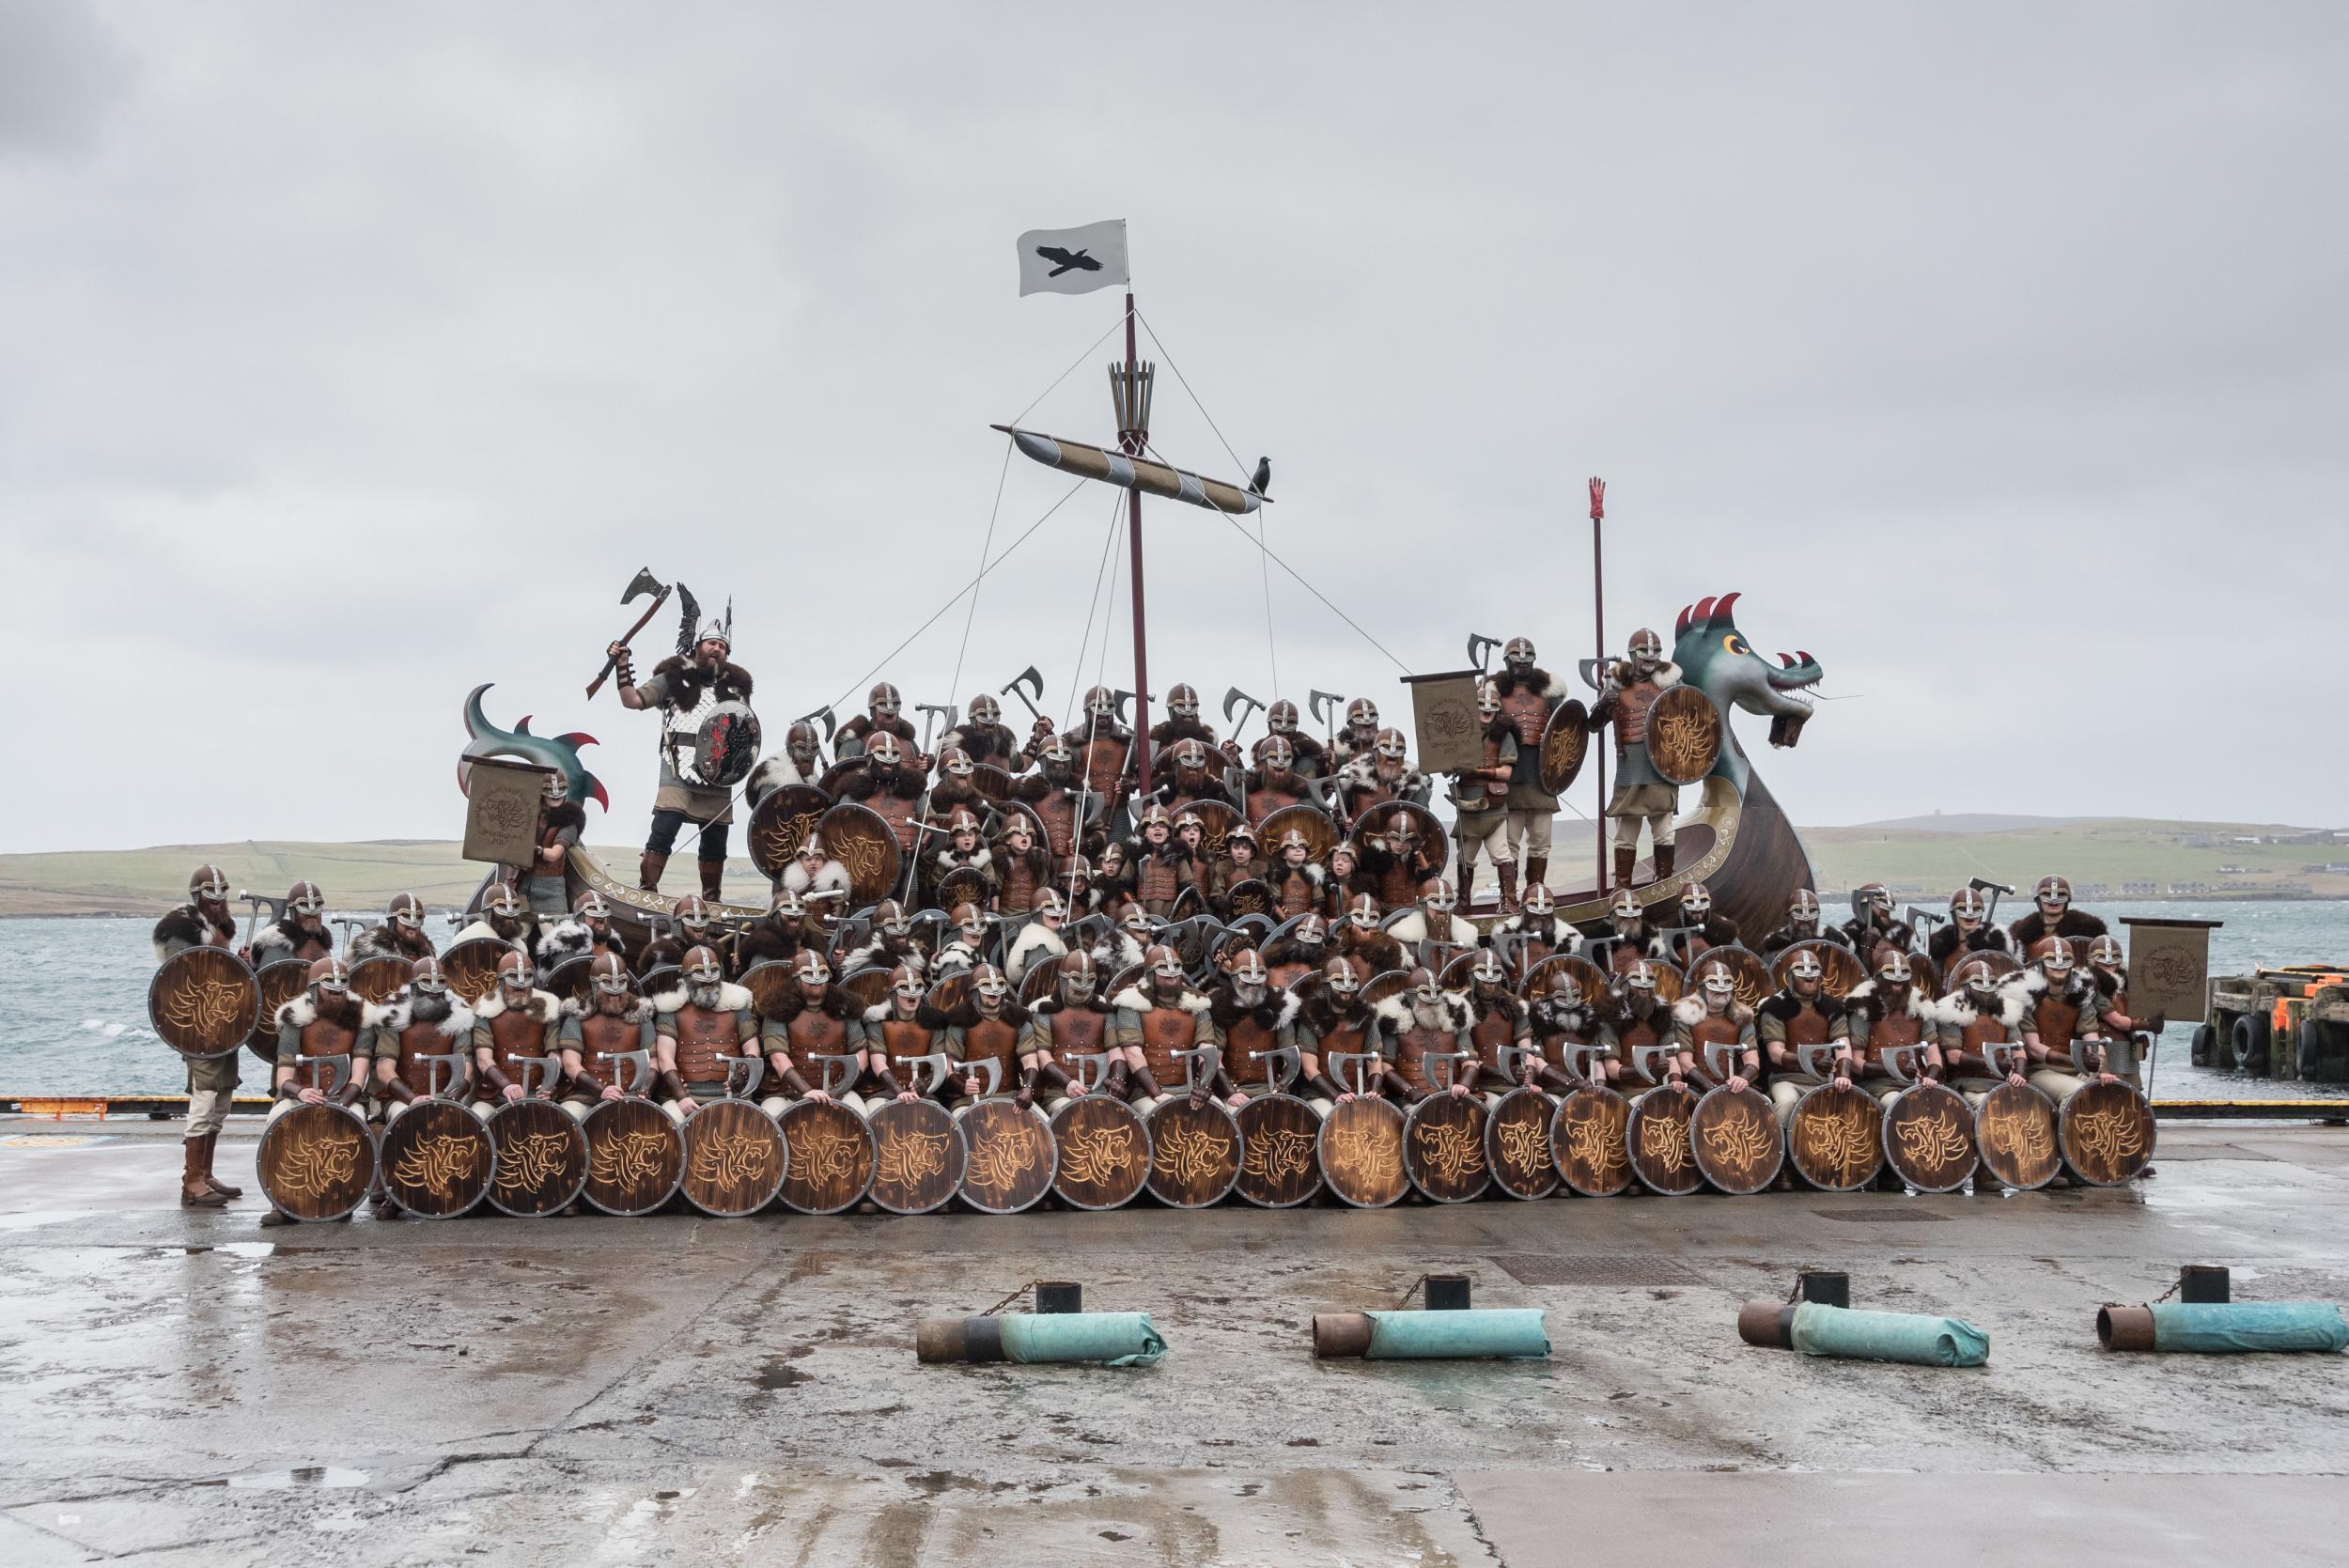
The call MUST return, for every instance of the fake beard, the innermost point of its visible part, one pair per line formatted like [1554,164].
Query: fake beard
[427,1008]
[706,997]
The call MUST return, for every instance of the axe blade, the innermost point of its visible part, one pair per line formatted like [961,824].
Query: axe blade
[824,715]
[1028,685]
[1123,698]
[1479,649]
[644,582]
[1234,697]
[1320,703]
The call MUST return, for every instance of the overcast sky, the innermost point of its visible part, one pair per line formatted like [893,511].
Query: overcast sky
[353,355]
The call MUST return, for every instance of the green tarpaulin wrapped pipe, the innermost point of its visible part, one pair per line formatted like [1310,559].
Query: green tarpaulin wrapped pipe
[1841,1331]
[1116,1339]
[2224,1328]
[1514,1333]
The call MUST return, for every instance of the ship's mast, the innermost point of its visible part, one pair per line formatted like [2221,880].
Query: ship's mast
[1129,388]
[1598,616]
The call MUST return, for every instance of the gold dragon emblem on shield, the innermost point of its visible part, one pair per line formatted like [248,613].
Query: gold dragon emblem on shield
[317,1164]
[1278,1154]
[437,1165]
[530,1161]
[998,1163]
[1524,1146]
[627,1161]
[1365,1156]
[733,1162]
[1190,1154]
[904,1158]
[1450,1151]
[1097,1155]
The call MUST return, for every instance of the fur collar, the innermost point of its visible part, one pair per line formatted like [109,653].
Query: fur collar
[1863,998]
[685,684]
[1783,1005]
[570,813]
[1133,998]
[1397,1011]
[1541,681]
[565,938]
[303,1011]
[545,1006]
[830,876]
[189,926]
[1689,1010]
[952,859]
[1034,937]
[1321,1014]
[1277,1011]
[731,998]
[2014,996]
[401,1014]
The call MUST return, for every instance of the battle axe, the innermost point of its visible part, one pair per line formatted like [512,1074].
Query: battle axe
[823,713]
[1323,706]
[1479,649]
[644,582]
[1232,699]
[1022,684]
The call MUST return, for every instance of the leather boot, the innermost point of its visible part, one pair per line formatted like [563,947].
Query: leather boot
[193,1194]
[649,871]
[1536,869]
[1663,862]
[1508,869]
[211,1147]
[713,876]
[1626,855]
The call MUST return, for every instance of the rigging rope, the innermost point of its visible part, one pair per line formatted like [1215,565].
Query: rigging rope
[985,545]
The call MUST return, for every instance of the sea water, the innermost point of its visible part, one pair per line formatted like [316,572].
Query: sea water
[73,1000]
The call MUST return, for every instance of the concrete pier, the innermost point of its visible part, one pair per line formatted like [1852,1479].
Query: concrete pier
[185,1387]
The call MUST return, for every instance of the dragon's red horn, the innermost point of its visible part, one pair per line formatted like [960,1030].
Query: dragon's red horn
[577,738]
[1681,626]
[1787,659]
[1703,611]
[1721,611]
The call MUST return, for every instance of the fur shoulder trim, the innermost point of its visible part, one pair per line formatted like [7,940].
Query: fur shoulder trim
[566,938]
[300,1013]
[1689,1011]
[1133,998]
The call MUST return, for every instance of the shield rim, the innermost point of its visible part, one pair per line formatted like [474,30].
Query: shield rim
[1240,1181]
[958,1145]
[1142,1186]
[1052,1155]
[685,1135]
[1877,1143]
[1884,1139]
[871,1159]
[1321,1153]
[1639,1104]
[367,1142]
[1630,1171]
[1720,724]
[1492,1155]
[489,1174]
[579,1144]
[2063,1125]
[252,990]
[1769,1114]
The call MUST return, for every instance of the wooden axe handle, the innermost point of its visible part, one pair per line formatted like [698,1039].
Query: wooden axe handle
[610,661]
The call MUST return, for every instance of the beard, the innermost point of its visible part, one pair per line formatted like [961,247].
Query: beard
[342,1010]
[705,996]
[613,1004]
[427,1008]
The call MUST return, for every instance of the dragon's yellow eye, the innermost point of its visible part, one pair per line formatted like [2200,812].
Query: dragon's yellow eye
[1736,644]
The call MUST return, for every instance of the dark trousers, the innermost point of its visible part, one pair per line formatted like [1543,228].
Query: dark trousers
[711,850]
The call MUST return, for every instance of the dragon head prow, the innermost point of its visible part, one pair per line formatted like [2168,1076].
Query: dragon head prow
[560,752]
[1715,656]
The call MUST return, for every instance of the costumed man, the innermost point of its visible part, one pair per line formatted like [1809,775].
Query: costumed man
[1873,928]
[1059,801]
[901,1027]
[1191,768]
[588,930]
[689,927]
[1886,1013]
[424,1020]
[1417,1022]
[1642,794]
[401,936]
[1297,951]
[891,785]
[299,933]
[1254,1020]
[1535,931]
[815,1018]
[1161,867]
[618,1023]
[1528,695]
[1123,946]
[561,821]
[2132,1036]
[890,942]
[518,1022]
[1496,1020]
[1559,1017]
[2064,1007]
[1104,752]
[986,1025]
[326,1019]
[1688,928]
[2052,915]
[987,739]
[1976,1015]
[1361,943]
[963,850]
[1398,862]
[1802,1014]
[1308,757]
[1383,774]
[1334,1021]
[1181,723]
[1802,926]
[955,789]
[1429,931]
[1639,1018]
[1040,939]
[504,918]
[1629,937]
[1067,1025]
[801,762]
[883,715]
[698,1029]
[1274,782]
[203,921]
[1295,881]
[967,948]
[1360,738]
[1480,802]
[1153,1019]
[1709,1020]
[683,690]
[1023,867]
[1969,931]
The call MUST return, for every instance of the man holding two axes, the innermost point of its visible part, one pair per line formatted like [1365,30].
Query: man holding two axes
[683,689]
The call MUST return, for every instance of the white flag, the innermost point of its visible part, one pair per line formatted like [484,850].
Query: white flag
[1073,260]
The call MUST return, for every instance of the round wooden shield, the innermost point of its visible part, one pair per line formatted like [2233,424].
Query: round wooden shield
[1194,1153]
[2015,1127]
[1378,988]
[918,1156]
[1656,1138]
[568,979]
[1833,1137]
[316,1161]
[1754,980]
[734,1159]
[1565,741]
[1361,1152]
[1842,967]
[1929,1138]
[1321,835]
[1517,1145]
[1998,966]
[634,1156]
[1250,897]
[206,1001]
[838,775]
[1925,975]
[1589,1140]
[1443,1147]
[1104,1152]
[1277,1167]
[1423,823]
[2107,1131]
[1589,977]
[725,747]
[472,968]
[831,1163]
[862,840]
[1738,1143]
[378,980]
[780,824]
[1684,735]
[1012,1157]
[660,979]
[947,994]
[993,783]
[541,1160]
[280,983]
[1037,984]
[438,1159]
[963,885]
[1216,821]
[870,985]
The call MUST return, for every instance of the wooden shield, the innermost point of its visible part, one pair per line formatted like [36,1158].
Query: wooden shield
[1250,897]
[1656,1138]
[634,1156]
[280,983]
[1684,735]
[206,1001]
[1998,966]
[438,1159]
[1841,966]
[1321,835]
[963,885]
[870,985]
[1587,1138]
[1925,975]
[1565,740]
[1194,1153]
[1736,1139]
[1834,1139]
[2015,1127]
[1036,983]
[1103,1152]
[947,994]
[1216,822]
[734,1159]
[782,823]
[1929,1138]
[1278,1169]
[862,840]
[2106,1133]
[1378,988]
[838,775]
[378,980]
[1754,980]
[1012,1157]
[541,1160]
[1517,1145]
[472,968]
[1362,1153]
[1423,823]
[1443,1147]
[831,1156]
[316,1161]
[1589,976]
[568,981]
[918,1156]
[993,783]
[770,984]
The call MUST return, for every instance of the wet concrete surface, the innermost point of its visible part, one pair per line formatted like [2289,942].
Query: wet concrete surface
[184,1386]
